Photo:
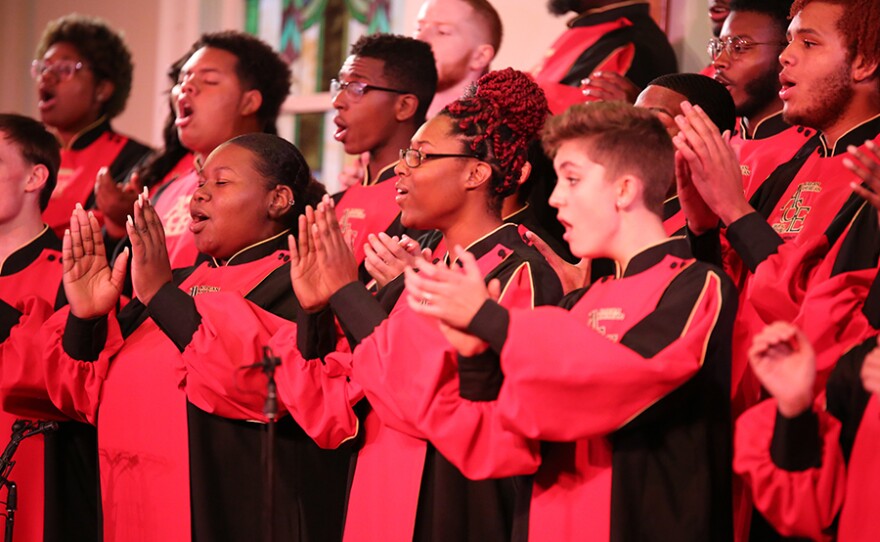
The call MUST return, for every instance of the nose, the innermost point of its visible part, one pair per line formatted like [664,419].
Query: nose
[557,198]
[722,61]
[401,169]
[339,101]
[786,57]
[202,193]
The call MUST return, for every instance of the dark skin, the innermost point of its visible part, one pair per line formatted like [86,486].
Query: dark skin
[116,200]
[321,261]
[150,266]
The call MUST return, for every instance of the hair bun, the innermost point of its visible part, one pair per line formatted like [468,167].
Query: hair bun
[520,102]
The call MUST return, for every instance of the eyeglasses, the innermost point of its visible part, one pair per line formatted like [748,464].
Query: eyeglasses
[357,89]
[64,70]
[414,157]
[734,45]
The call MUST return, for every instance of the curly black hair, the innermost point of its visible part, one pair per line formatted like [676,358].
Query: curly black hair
[103,49]
[409,65]
[259,67]
[36,145]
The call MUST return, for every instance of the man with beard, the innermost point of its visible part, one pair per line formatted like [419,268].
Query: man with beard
[746,61]
[606,36]
[796,261]
[464,36]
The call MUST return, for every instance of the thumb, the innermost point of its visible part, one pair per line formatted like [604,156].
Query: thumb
[494,288]
[135,184]
[117,276]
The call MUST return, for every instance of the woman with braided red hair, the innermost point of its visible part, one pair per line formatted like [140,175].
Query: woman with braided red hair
[460,166]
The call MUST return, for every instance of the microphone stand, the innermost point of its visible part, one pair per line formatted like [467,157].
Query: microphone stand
[270,409]
[21,430]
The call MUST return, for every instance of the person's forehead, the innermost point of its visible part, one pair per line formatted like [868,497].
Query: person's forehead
[818,18]
[747,24]
[445,11]
[63,50]
[363,68]
[210,57]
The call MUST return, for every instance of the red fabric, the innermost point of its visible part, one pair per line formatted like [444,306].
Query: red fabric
[76,177]
[580,400]
[172,206]
[137,387]
[367,209]
[566,50]
[18,369]
[183,167]
[802,503]
[759,157]
[385,488]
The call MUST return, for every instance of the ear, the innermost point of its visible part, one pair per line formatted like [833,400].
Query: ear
[862,70]
[525,172]
[481,58]
[251,101]
[104,91]
[480,174]
[280,202]
[629,191]
[37,178]
[405,107]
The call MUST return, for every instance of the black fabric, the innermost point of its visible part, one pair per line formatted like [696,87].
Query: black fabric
[72,509]
[706,247]
[227,477]
[653,57]
[175,313]
[871,308]
[83,339]
[753,239]
[479,376]
[860,247]
[490,324]
[796,445]
[768,195]
[9,317]
[357,311]
[846,397]
[315,333]
[856,137]
[19,260]
[528,218]
[129,156]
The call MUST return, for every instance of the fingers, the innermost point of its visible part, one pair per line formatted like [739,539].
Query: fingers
[117,275]
[548,253]
[291,246]
[494,288]
[134,184]
[77,218]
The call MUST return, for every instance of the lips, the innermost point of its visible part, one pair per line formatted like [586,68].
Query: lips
[46,99]
[402,192]
[787,85]
[723,80]
[199,220]
[341,129]
[184,112]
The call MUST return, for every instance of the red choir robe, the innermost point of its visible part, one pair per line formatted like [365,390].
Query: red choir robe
[95,147]
[57,472]
[816,475]
[170,471]
[622,38]
[622,398]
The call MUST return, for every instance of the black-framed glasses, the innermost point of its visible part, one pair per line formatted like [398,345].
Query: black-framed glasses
[735,46]
[414,157]
[64,70]
[357,89]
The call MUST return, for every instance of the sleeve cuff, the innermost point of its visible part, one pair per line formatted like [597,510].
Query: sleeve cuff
[480,376]
[9,318]
[753,239]
[357,310]
[490,324]
[315,333]
[175,313]
[796,444]
[705,247]
[83,340]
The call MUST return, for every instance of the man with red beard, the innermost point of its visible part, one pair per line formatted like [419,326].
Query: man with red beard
[464,36]
[83,72]
[381,96]
[746,61]
[606,36]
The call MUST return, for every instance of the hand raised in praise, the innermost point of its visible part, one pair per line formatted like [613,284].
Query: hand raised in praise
[783,360]
[335,258]
[150,266]
[386,257]
[91,286]
[305,274]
